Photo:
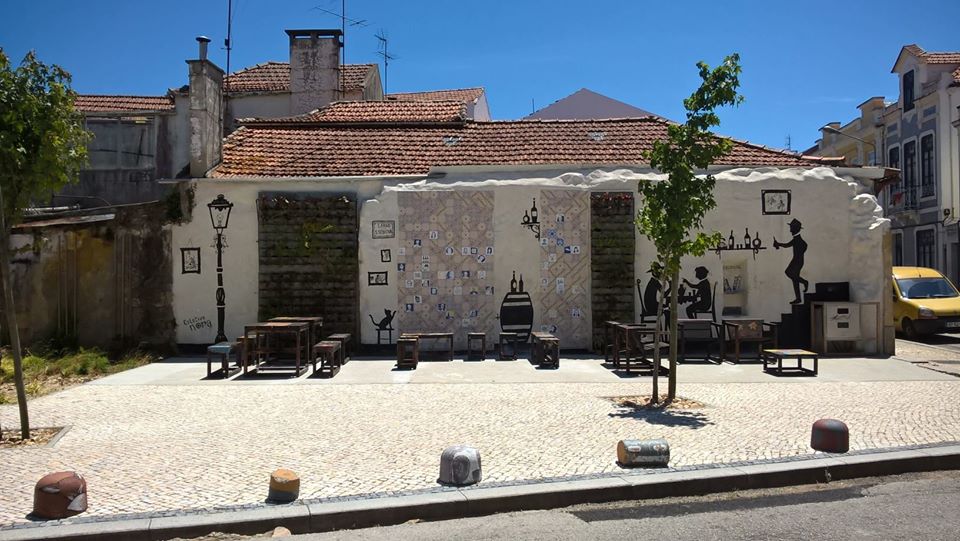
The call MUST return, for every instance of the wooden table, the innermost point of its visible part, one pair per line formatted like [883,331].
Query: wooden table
[776,356]
[316,326]
[700,331]
[630,337]
[431,336]
[268,329]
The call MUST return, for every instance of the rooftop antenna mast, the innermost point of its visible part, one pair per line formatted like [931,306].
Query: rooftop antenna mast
[227,42]
[387,57]
[789,141]
[343,25]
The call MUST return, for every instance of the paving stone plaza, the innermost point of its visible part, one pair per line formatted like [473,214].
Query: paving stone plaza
[161,438]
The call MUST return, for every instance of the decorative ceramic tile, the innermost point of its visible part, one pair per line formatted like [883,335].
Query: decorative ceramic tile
[565,266]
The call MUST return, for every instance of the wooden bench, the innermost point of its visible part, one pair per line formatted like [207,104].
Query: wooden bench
[420,336]
[224,350]
[773,360]
[327,352]
[477,337]
[344,339]
[546,349]
[408,352]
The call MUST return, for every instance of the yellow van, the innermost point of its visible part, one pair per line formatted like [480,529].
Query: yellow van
[924,302]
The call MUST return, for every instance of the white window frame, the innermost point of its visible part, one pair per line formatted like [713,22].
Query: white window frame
[916,165]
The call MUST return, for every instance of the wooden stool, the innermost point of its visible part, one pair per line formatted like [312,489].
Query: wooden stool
[224,350]
[473,337]
[344,339]
[327,352]
[408,352]
[511,338]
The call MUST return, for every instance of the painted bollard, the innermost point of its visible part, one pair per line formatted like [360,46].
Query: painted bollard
[284,486]
[460,466]
[60,495]
[652,453]
[830,436]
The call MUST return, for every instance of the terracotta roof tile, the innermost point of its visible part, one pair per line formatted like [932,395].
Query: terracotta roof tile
[97,103]
[466,95]
[934,57]
[275,77]
[375,112]
[319,151]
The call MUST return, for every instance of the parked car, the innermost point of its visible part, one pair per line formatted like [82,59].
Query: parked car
[924,302]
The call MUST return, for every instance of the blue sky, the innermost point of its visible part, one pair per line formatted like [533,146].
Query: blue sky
[805,63]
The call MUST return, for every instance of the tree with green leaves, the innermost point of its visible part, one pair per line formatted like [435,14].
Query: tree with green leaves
[672,209]
[42,148]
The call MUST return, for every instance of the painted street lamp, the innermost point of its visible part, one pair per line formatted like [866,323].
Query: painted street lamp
[219,218]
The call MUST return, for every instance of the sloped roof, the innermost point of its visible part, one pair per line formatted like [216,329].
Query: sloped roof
[101,103]
[928,57]
[465,95]
[375,112]
[585,104]
[275,77]
[319,151]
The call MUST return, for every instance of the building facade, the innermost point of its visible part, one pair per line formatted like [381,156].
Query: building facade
[919,134]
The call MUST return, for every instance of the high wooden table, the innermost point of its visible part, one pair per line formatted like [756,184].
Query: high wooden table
[263,348]
[316,326]
[431,336]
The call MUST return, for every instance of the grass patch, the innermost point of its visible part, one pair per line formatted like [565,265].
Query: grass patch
[47,369]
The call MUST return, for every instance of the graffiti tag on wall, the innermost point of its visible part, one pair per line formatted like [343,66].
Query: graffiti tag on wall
[198,323]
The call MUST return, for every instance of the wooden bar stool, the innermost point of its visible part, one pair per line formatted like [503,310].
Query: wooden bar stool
[224,350]
[327,353]
[344,339]
[408,352]
[477,337]
[508,338]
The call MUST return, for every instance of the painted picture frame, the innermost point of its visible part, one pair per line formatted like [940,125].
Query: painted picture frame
[776,202]
[377,278]
[190,260]
[384,229]
[385,256]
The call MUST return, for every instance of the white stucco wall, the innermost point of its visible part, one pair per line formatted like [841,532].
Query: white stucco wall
[194,294]
[841,224]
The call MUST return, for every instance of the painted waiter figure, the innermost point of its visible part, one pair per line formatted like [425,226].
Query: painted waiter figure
[796,264]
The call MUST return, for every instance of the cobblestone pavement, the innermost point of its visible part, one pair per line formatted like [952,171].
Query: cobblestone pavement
[162,447]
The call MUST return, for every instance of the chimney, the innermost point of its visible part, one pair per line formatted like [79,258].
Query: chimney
[206,112]
[314,69]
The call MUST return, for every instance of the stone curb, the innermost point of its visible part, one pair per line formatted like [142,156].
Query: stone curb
[303,517]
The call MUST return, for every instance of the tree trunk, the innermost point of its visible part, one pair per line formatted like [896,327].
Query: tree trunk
[10,312]
[655,394]
[672,382]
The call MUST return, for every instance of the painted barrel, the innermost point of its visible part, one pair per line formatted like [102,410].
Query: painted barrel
[516,314]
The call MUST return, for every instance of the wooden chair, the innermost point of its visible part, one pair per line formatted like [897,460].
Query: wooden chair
[750,331]
[701,331]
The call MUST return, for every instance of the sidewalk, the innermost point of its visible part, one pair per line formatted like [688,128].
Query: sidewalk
[158,439]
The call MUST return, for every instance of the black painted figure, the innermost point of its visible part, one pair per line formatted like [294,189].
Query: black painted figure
[700,296]
[796,264]
[384,323]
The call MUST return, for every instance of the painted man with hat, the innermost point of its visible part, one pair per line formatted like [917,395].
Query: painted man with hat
[796,264]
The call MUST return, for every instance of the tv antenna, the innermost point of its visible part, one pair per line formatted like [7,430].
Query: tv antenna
[789,141]
[344,20]
[387,57]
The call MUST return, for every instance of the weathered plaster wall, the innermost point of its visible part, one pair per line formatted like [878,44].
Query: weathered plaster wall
[104,284]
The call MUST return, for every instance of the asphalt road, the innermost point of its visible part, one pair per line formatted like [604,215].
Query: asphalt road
[949,341]
[915,507]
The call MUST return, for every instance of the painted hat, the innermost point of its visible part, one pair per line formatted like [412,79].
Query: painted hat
[795,222]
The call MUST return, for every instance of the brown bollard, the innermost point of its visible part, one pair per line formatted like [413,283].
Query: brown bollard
[284,486]
[830,436]
[60,495]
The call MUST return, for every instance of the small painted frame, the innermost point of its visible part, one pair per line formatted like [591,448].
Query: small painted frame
[385,255]
[190,260]
[776,201]
[377,278]
[384,229]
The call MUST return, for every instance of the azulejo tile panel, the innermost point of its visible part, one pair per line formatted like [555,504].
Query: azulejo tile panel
[564,302]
